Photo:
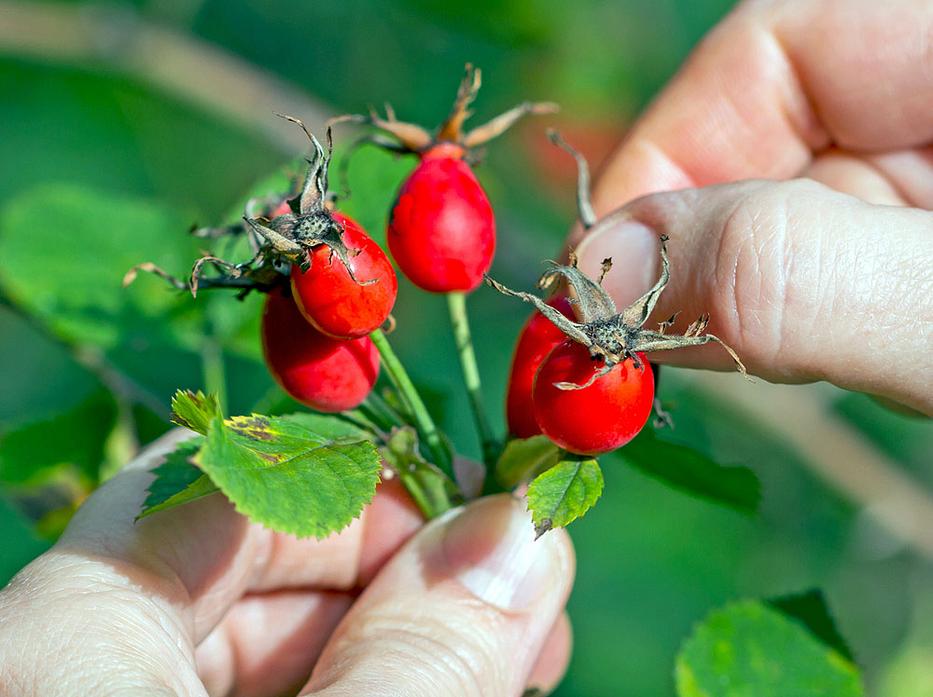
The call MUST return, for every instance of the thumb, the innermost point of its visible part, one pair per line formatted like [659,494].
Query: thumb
[805,283]
[464,609]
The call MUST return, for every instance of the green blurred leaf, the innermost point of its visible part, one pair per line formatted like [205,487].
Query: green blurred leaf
[810,607]
[64,251]
[750,648]
[177,480]
[432,490]
[76,437]
[693,472]
[525,458]
[20,542]
[563,493]
[303,474]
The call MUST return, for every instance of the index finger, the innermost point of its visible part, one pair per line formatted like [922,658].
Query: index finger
[775,83]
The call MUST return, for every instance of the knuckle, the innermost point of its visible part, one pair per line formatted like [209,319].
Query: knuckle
[762,247]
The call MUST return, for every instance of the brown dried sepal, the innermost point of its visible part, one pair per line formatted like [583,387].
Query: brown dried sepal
[411,138]
[608,333]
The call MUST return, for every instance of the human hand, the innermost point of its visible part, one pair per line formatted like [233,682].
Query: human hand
[824,278]
[202,602]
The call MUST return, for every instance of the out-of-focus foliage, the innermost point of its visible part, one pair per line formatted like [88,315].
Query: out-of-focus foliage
[102,171]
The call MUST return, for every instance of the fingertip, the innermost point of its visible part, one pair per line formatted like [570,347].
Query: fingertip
[633,248]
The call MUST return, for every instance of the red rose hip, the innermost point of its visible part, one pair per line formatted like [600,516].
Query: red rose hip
[336,303]
[596,419]
[442,232]
[537,339]
[324,373]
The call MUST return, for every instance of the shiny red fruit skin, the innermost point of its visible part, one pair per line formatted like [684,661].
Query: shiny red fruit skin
[324,373]
[442,232]
[599,418]
[336,304]
[537,339]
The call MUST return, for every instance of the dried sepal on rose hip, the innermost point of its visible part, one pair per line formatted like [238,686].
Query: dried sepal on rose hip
[608,333]
[342,281]
[442,232]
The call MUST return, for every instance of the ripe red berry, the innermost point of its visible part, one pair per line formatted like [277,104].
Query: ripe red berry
[537,339]
[442,232]
[324,373]
[332,300]
[596,419]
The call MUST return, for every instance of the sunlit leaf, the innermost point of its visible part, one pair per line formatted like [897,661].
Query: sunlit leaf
[750,648]
[563,493]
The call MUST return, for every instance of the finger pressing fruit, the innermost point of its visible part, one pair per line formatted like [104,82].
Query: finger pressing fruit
[324,373]
[442,231]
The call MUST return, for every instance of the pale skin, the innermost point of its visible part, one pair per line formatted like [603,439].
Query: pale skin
[798,140]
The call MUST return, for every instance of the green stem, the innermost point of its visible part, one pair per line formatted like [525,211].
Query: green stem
[456,304]
[212,365]
[407,392]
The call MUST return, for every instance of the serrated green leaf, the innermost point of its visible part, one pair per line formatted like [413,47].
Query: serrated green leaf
[304,474]
[194,410]
[811,608]
[525,458]
[177,480]
[749,648]
[432,490]
[563,493]
[682,467]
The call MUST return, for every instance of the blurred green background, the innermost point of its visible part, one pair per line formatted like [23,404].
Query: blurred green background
[122,124]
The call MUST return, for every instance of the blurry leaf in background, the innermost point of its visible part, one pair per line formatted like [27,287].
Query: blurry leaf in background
[810,608]
[689,470]
[40,377]
[524,458]
[20,544]
[64,250]
[750,648]
[75,437]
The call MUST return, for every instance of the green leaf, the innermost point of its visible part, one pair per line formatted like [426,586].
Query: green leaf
[75,437]
[194,410]
[563,493]
[654,453]
[433,491]
[177,480]
[64,251]
[525,458]
[810,607]
[749,648]
[304,474]
[20,545]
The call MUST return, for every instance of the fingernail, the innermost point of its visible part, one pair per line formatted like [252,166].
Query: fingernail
[491,549]
[633,248]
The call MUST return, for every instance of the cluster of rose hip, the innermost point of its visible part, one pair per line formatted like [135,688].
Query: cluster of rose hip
[579,373]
